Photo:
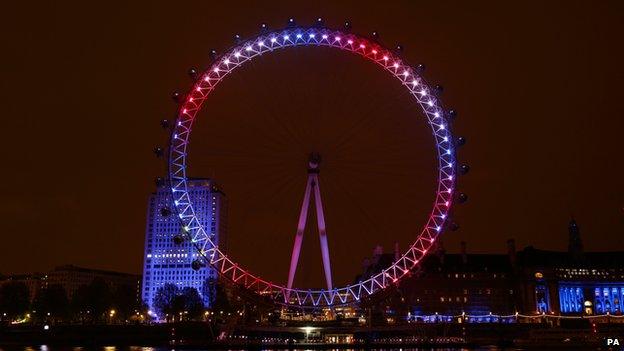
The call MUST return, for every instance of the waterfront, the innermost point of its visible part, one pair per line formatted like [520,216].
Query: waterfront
[147,348]
[198,336]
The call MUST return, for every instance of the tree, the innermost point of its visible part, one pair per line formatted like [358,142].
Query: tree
[99,297]
[165,299]
[221,300]
[93,301]
[124,301]
[172,302]
[14,299]
[192,301]
[53,300]
[79,305]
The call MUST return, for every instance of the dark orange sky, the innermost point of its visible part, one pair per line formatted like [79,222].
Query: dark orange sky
[538,87]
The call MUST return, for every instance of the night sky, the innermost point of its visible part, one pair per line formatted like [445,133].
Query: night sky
[538,87]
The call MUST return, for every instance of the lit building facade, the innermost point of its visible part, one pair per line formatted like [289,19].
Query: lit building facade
[529,281]
[34,282]
[453,284]
[570,289]
[573,282]
[71,278]
[166,261]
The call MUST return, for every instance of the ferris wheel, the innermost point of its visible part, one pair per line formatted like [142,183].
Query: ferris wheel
[390,61]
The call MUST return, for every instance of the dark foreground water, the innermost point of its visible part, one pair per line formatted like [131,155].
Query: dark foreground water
[145,348]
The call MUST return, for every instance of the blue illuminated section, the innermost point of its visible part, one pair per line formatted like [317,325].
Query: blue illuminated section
[608,298]
[542,300]
[168,262]
[571,299]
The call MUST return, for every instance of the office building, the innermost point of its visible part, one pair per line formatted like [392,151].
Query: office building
[167,261]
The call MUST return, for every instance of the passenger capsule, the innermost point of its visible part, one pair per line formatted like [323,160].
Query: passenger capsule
[159,181]
[464,169]
[192,72]
[213,54]
[178,239]
[462,198]
[196,265]
[451,114]
[461,141]
[165,212]
[158,151]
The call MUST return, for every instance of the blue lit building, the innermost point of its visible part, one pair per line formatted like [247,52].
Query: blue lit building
[573,282]
[168,262]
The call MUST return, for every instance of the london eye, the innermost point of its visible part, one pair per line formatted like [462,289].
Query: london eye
[387,60]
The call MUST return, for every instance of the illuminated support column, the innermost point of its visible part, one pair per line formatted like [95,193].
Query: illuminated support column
[312,184]
[320,217]
[303,215]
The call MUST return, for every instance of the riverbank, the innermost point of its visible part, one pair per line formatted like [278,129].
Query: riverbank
[207,336]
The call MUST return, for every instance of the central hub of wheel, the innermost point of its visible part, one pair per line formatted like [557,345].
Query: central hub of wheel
[314,162]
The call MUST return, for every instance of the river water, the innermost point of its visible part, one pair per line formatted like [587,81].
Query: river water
[145,348]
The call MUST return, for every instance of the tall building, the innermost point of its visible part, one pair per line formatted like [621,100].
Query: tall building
[166,261]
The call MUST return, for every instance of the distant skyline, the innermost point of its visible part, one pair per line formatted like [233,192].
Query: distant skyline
[537,87]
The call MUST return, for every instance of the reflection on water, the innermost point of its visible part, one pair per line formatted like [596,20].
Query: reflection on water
[143,348]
